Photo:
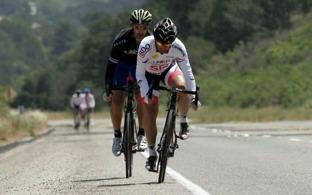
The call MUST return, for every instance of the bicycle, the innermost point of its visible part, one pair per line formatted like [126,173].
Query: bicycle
[129,141]
[168,141]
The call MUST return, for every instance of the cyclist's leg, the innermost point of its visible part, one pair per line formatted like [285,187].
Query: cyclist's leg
[150,111]
[117,103]
[139,110]
[76,118]
[149,119]
[87,122]
[116,108]
[132,71]
[175,78]
[120,78]
[142,144]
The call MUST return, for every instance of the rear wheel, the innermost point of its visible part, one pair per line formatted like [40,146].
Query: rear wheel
[165,144]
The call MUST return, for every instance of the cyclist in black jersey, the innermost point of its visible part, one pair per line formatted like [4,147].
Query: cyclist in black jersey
[121,63]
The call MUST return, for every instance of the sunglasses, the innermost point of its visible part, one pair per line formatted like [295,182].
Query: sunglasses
[161,44]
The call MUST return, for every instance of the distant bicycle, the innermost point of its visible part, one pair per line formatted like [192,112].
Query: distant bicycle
[168,141]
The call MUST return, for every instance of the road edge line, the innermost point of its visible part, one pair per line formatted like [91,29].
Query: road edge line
[194,188]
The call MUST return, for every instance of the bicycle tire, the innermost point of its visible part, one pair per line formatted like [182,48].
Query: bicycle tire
[128,134]
[164,153]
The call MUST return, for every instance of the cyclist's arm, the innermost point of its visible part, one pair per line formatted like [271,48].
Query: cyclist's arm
[72,102]
[109,76]
[111,66]
[142,61]
[92,101]
[184,64]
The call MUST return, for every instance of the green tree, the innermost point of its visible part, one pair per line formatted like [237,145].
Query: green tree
[96,48]
[64,38]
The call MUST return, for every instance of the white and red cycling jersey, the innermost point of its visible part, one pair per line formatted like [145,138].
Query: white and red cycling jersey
[149,60]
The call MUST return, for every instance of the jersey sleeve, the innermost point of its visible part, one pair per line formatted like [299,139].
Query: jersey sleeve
[184,64]
[72,102]
[92,101]
[142,60]
[111,66]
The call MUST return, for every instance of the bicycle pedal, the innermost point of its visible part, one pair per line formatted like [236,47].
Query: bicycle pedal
[158,148]
[134,149]
[153,170]
[170,154]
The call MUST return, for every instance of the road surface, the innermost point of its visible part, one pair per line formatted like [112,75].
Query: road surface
[230,158]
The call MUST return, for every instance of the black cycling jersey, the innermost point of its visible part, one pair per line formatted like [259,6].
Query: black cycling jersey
[124,50]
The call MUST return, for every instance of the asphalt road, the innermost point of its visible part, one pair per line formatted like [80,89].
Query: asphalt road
[232,158]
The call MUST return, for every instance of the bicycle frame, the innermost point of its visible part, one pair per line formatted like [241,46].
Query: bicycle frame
[168,141]
[130,131]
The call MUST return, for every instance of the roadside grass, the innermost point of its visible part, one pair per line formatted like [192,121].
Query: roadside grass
[14,125]
[218,115]
[69,115]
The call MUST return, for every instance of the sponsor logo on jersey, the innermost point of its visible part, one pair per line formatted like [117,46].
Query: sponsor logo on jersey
[131,51]
[159,66]
[155,55]
[143,51]
[119,42]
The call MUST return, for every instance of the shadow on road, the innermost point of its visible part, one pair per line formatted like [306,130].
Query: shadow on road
[116,185]
[82,133]
[103,179]
[128,184]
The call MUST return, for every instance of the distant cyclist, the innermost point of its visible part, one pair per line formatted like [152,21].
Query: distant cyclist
[75,102]
[87,105]
[163,57]
[121,63]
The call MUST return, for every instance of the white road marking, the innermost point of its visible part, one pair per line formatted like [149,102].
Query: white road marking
[294,139]
[194,188]
[267,136]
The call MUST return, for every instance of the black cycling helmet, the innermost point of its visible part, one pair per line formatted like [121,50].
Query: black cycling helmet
[165,31]
[140,16]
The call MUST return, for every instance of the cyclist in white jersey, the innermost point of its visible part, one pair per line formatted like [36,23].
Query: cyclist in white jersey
[75,102]
[163,57]
[87,106]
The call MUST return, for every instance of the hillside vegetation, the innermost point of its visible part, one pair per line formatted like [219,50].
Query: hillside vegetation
[273,71]
[245,53]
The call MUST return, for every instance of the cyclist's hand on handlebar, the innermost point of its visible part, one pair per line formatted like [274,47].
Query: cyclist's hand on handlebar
[195,104]
[107,98]
[147,100]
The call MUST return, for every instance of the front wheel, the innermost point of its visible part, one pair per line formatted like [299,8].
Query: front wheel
[165,144]
[127,144]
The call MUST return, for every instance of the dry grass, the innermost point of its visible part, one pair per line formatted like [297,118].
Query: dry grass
[15,125]
[69,115]
[217,115]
